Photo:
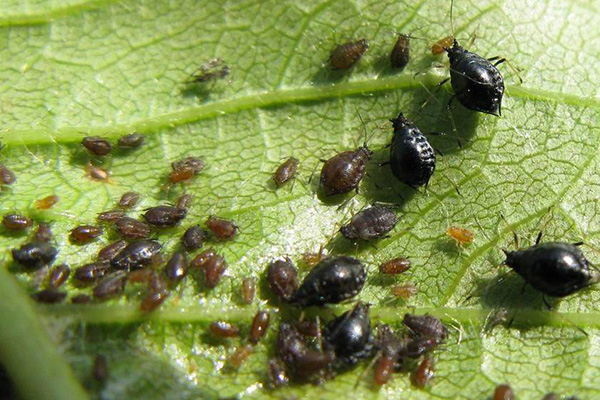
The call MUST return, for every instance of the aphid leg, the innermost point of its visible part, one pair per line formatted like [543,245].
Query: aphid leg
[578,244]
[545,300]
[499,60]
[368,368]
[538,238]
[312,174]
[432,94]
[383,164]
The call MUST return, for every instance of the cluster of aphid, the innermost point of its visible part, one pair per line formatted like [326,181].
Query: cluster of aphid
[505,392]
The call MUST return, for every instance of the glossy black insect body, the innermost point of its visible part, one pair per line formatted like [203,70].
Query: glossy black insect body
[110,251]
[346,55]
[412,158]
[282,277]
[477,83]
[401,52]
[34,255]
[136,255]
[164,216]
[333,280]
[554,268]
[370,223]
[350,336]
[343,172]
[176,268]
[92,272]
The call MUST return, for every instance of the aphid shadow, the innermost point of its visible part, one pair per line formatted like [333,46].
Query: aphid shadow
[200,91]
[326,76]
[448,246]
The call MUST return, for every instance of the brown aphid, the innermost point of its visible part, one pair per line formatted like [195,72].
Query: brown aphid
[195,163]
[424,373]
[222,229]
[248,290]
[277,375]
[176,268]
[395,266]
[425,326]
[97,145]
[346,55]
[156,295]
[214,268]
[182,174]
[110,216]
[260,324]
[343,172]
[286,171]
[58,275]
[111,250]
[240,355]
[7,177]
[100,368]
[193,238]
[92,272]
[43,233]
[110,286]
[307,328]
[97,173]
[212,70]
[460,235]
[131,141]
[441,45]
[141,276]
[46,203]
[401,52]
[129,200]
[282,277]
[16,222]
[184,201]
[84,234]
[49,296]
[384,368]
[552,396]
[164,216]
[222,329]
[503,392]
[81,299]
[132,228]
[405,291]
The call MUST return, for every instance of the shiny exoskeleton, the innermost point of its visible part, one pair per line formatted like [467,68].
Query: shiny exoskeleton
[333,280]
[176,268]
[136,255]
[83,234]
[401,52]
[259,327]
[412,158]
[110,251]
[554,268]
[34,255]
[370,223]
[132,228]
[346,55]
[58,275]
[129,199]
[193,238]
[97,145]
[477,83]
[343,172]
[16,222]
[282,277]
[350,336]
[164,216]
[285,171]
[503,392]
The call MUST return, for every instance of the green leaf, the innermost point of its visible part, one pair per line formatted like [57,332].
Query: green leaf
[107,68]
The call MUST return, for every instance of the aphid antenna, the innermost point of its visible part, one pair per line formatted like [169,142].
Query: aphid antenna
[482,230]
[367,137]
[515,237]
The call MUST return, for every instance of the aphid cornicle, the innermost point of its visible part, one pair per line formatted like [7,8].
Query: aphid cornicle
[370,223]
[346,55]
[412,158]
[331,281]
[401,52]
[343,172]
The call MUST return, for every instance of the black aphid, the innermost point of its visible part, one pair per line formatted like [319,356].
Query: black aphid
[164,216]
[110,251]
[137,255]
[83,234]
[346,55]
[259,327]
[333,280]
[401,52]
[412,158]
[97,145]
[370,223]
[350,336]
[34,255]
[343,172]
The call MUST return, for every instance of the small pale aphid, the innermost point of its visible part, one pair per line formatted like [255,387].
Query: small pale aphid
[460,235]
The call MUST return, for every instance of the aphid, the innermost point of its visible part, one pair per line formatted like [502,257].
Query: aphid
[300,362]
[260,324]
[110,251]
[7,177]
[424,373]
[137,255]
[222,229]
[129,200]
[282,277]
[552,396]
[92,272]
[157,294]
[405,291]
[383,370]
[34,255]
[43,233]
[224,329]
[441,45]
[97,173]
[100,368]
[58,275]
[184,201]
[350,336]
[343,172]
[16,222]
[176,268]
[240,355]
[248,289]
[131,141]
[97,145]
[85,234]
[277,375]
[211,70]
[401,52]
[164,216]
[370,223]
[412,158]
[181,175]
[195,163]
[346,55]
[110,216]
[132,228]
[49,296]
[213,264]
[46,203]
[193,238]
[285,171]
[308,328]
[460,235]
[333,280]
[81,299]
[556,269]
[504,392]
[110,286]
[395,266]
[425,326]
